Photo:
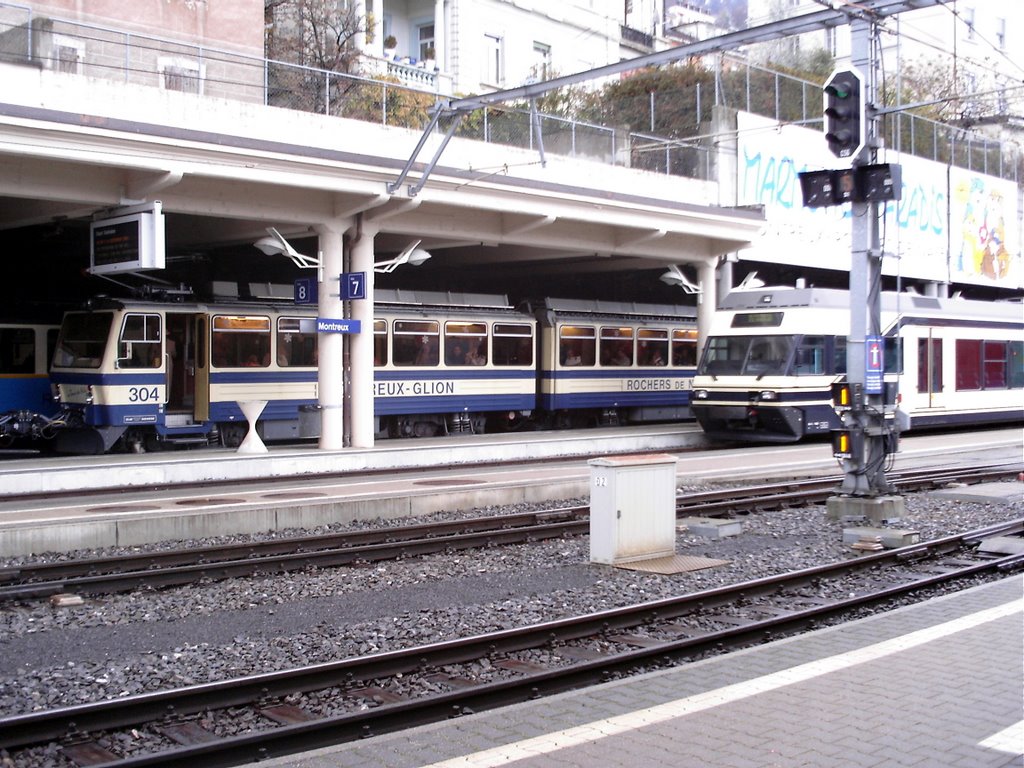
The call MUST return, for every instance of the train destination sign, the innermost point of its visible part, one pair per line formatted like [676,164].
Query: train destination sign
[333,325]
[129,242]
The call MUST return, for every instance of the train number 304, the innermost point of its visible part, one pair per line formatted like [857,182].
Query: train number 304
[143,394]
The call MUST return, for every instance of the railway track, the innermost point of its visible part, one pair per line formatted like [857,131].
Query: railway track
[255,717]
[161,569]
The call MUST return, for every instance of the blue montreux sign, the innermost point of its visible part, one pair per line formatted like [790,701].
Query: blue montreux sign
[332,325]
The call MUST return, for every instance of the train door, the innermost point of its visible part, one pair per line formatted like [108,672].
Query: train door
[929,372]
[201,367]
[181,355]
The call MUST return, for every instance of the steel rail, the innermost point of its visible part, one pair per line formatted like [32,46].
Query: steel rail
[180,567]
[20,730]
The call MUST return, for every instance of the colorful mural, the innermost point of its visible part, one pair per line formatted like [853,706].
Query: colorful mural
[984,243]
[950,225]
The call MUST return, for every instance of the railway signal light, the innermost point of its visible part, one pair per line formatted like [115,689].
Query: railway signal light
[845,119]
[847,443]
[846,395]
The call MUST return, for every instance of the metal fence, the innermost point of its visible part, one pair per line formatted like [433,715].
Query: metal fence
[403,96]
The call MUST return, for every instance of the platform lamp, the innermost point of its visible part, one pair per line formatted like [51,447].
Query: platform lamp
[276,245]
[411,254]
[675,276]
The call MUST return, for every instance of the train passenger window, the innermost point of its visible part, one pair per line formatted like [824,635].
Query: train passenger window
[17,350]
[577,345]
[241,341]
[465,343]
[416,342]
[139,344]
[1015,365]
[810,356]
[512,344]
[652,346]
[968,364]
[892,355]
[929,359]
[839,355]
[684,347]
[616,346]
[296,342]
[83,339]
[994,365]
[380,342]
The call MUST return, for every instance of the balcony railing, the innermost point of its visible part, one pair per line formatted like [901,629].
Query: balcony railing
[399,94]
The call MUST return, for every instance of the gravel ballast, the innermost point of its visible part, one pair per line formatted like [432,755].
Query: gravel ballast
[122,645]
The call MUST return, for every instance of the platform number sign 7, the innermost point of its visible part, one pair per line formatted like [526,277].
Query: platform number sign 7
[353,285]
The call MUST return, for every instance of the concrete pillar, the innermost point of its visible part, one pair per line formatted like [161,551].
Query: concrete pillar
[331,346]
[706,302]
[359,38]
[378,28]
[361,423]
[725,278]
[439,35]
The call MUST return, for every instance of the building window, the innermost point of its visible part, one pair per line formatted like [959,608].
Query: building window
[968,16]
[425,35]
[180,75]
[494,65]
[68,54]
[541,61]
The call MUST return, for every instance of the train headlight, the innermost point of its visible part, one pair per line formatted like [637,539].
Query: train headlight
[88,395]
[767,394]
[700,394]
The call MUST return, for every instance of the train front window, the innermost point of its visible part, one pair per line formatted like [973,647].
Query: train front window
[139,343]
[83,340]
[747,356]
[769,355]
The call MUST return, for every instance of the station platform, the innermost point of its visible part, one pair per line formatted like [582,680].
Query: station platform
[939,683]
[49,474]
[131,500]
[60,504]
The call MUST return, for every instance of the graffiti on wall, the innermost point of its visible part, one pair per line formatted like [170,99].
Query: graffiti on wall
[949,224]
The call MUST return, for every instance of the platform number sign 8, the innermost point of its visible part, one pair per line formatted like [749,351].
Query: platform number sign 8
[305,291]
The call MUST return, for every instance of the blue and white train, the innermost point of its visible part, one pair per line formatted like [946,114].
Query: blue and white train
[772,355]
[27,410]
[136,375]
